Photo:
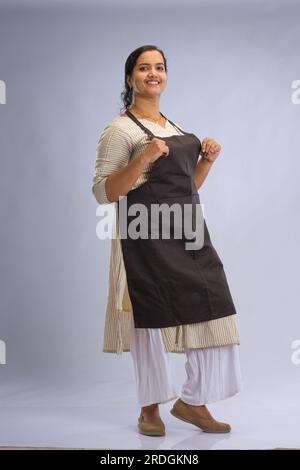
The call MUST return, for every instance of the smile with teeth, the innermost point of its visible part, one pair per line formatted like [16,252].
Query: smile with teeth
[152,82]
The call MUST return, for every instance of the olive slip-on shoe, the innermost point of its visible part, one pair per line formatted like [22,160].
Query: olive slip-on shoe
[155,427]
[207,423]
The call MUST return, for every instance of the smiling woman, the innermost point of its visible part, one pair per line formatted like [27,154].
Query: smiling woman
[162,297]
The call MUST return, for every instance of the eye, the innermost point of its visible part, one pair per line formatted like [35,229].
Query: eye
[161,67]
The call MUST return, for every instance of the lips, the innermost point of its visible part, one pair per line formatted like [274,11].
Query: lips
[152,82]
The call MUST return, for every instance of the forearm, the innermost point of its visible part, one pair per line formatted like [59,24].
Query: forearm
[202,169]
[120,182]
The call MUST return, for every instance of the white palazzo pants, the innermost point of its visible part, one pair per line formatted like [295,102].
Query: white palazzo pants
[212,374]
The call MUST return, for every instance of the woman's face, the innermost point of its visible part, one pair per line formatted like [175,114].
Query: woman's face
[149,66]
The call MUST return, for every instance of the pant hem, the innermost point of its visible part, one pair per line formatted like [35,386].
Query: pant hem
[213,400]
[160,402]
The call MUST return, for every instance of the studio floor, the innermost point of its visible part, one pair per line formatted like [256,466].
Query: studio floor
[104,416]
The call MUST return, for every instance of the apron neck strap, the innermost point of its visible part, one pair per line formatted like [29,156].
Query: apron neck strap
[148,130]
[139,123]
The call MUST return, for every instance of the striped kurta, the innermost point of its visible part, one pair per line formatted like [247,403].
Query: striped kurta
[120,141]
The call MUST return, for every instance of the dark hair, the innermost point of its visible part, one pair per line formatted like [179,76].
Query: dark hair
[126,94]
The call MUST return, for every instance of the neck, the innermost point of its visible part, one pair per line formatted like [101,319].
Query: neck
[146,106]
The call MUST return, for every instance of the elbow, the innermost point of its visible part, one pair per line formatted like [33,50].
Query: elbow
[99,192]
[108,196]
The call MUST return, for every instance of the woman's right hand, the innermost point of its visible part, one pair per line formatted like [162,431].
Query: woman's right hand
[155,149]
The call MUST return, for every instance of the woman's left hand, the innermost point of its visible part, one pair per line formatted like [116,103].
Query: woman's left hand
[210,149]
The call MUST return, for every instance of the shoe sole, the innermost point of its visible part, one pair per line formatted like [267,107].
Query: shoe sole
[153,433]
[191,422]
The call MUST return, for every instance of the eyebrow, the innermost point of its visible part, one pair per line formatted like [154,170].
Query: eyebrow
[146,63]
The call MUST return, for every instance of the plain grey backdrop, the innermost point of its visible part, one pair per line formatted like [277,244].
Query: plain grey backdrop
[231,66]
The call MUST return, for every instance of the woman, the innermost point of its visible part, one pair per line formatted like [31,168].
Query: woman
[163,297]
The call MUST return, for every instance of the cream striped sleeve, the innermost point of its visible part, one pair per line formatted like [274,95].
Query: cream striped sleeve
[112,153]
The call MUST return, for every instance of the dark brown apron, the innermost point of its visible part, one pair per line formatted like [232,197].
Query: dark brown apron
[169,285]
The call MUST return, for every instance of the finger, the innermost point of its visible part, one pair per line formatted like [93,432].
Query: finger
[216,148]
[212,148]
[204,143]
[166,150]
[209,147]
